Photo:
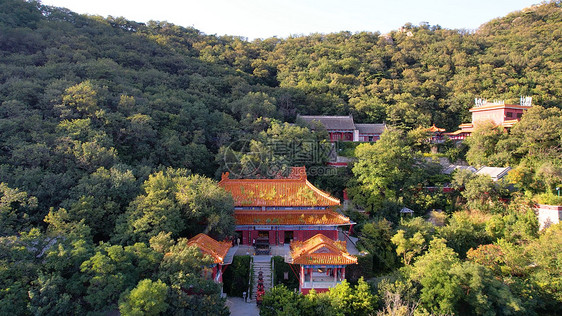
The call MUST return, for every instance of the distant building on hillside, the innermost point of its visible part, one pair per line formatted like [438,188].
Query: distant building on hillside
[343,128]
[449,169]
[496,173]
[505,115]
[548,215]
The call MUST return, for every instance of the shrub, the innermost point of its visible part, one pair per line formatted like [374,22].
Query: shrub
[236,276]
[363,268]
[280,268]
[549,199]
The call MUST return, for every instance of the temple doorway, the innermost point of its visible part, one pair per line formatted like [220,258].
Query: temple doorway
[262,243]
[238,238]
[288,237]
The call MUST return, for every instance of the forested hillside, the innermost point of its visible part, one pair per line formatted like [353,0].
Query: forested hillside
[110,130]
[81,92]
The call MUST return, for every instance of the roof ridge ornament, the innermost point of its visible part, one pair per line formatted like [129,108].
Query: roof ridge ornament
[526,101]
[479,102]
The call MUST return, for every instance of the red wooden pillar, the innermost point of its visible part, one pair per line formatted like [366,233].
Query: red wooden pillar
[244,237]
[301,279]
[253,236]
[272,237]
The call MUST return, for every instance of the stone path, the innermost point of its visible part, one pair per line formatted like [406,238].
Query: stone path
[238,307]
[243,250]
[230,254]
[280,250]
[351,241]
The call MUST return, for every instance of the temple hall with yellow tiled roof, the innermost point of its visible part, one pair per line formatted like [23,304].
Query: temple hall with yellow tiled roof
[278,211]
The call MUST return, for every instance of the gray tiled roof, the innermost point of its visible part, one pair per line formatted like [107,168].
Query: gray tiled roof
[371,128]
[495,172]
[331,122]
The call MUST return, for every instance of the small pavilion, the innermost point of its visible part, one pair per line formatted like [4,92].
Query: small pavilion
[436,134]
[322,262]
[217,250]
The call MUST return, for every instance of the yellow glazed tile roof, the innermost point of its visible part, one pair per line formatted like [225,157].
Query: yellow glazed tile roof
[215,249]
[435,129]
[460,131]
[289,192]
[321,250]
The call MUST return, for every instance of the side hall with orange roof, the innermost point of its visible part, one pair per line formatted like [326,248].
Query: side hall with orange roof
[322,262]
[217,250]
[278,211]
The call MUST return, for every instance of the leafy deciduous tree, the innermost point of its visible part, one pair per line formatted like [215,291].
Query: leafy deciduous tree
[147,298]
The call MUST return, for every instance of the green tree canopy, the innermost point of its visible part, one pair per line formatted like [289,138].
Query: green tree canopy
[147,298]
[177,203]
[482,145]
[15,209]
[440,288]
[113,269]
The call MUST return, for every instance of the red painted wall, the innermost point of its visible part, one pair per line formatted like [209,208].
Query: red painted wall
[255,235]
[278,237]
[245,237]
[496,115]
[344,136]
[514,115]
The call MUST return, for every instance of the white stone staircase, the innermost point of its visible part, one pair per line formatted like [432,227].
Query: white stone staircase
[265,267]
